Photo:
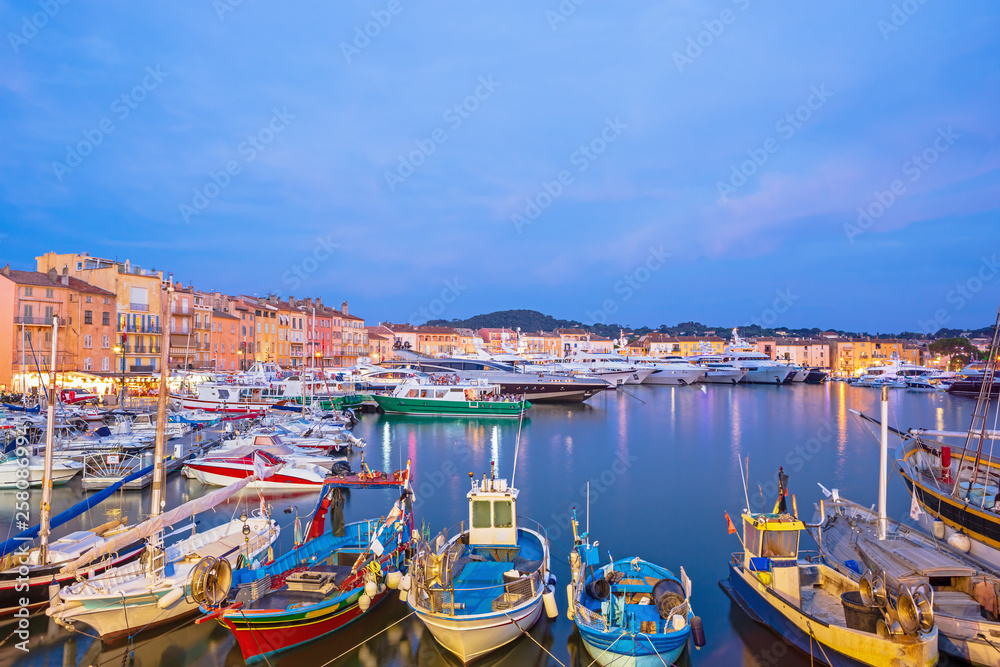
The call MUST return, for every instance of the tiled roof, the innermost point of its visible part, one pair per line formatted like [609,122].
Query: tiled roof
[37,279]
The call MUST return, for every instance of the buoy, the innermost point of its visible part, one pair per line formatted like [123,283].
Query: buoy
[961,542]
[549,599]
[938,529]
[697,631]
[404,583]
[371,588]
[171,597]
[570,607]
[364,602]
[392,579]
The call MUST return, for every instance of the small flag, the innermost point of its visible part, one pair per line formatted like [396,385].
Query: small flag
[732,528]
[377,547]
[915,509]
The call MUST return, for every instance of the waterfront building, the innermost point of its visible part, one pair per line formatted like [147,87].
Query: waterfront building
[354,337]
[546,343]
[380,343]
[436,341]
[662,345]
[572,341]
[851,356]
[808,352]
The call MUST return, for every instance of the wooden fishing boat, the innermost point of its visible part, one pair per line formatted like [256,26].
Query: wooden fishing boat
[472,398]
[483,586]
[803,600]
[629,612]
[321,586]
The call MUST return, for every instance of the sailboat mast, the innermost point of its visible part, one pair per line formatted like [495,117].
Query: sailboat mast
[49,433]
[978,425]
[161,413]
[883,464]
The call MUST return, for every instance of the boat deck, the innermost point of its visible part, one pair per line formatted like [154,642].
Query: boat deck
[821,604]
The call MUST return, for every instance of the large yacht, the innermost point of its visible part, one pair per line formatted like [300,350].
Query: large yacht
[671,370]
[537,387]
[759,367]
[613,368]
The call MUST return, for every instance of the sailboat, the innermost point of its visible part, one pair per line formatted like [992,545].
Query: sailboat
[955,476]
[158,588]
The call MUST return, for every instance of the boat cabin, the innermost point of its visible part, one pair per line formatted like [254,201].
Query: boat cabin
[771,552]
[492,513]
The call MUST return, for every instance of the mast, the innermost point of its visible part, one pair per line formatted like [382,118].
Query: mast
[883,464]
[156,499]
[978,425]
[49,432]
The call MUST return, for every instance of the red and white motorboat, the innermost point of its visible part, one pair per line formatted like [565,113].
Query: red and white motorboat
[224,470]
[231,398]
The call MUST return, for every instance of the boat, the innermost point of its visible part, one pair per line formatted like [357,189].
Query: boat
[717,370]
[480,586]
[759,368]
[450,397]
[972,385]
[671,370]
[231,398]
[629,611]
[812,605]
[223,469]
[920,385]
[537,387]
[894,372]
[324,584]
[958,584]
[11,467]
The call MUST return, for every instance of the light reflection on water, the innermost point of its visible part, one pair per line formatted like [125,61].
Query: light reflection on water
[662,463]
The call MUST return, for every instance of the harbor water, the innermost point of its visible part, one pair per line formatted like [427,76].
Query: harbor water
[662,465]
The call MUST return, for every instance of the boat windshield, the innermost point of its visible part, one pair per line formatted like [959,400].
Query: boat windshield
[780,544]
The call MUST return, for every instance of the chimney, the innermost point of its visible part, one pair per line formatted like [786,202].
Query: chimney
[6,270]
[343,308]
[53,275]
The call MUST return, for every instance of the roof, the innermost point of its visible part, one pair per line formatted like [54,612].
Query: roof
[223,314]
[38,279]
[572,332]
[435,330]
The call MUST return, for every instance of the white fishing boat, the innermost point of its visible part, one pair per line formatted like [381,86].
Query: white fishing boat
[481,585]
[11,470]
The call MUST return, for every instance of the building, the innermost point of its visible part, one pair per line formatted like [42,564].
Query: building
[499,341]
[404,335]
[29,301]
[662,345]
[436,341]
[380,344]
[600,344]
[851,356]
[354,338]
[542,342]
[808,352]
[572,340]
[137,302]
[466,341]
[225,341]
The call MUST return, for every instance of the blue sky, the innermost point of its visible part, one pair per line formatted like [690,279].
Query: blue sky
[587,160]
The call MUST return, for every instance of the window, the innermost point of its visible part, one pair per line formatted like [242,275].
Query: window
[28,291]
[28,310]
[48,312]
[258,327]
[79,266]
[780,544]
[751,538]
[258,347]
[88,299]
[88,317]
[88,342]
[481,514]
[49,293]
[232,329]
[106,318]
[503,516]
[107,300]
[105,364]
[86,364]
[105,342]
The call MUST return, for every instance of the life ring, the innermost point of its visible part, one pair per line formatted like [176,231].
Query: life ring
[277,375]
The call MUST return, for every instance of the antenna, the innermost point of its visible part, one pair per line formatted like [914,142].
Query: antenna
[517,441]
[746,495]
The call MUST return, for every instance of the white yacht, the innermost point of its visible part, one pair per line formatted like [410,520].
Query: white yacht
[671,370]
[894,373]
[760,368]
[612,368]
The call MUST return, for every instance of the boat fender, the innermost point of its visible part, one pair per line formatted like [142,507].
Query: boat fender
[371,588]
[364,602]
[392,579]
[676,622]
[570,609]
[697,631]
[552,580]
[549,599]
[402,595]
[170,598]
[960,542]
[404,583]
[53,593]
[938,529]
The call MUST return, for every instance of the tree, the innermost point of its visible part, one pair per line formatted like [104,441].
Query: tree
[960,350]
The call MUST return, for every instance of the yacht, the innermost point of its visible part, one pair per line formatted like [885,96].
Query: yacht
[671,370]
[613,368]
[717,371]
[759,367]
[895,372]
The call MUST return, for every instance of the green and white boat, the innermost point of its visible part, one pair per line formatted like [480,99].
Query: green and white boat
[450,396]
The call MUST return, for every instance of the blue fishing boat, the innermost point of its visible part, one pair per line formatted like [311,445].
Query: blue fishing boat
[629,612]
[486,584]
[21,408]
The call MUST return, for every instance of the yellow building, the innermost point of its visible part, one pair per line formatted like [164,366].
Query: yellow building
[542,342]
[851,356]
[138,302]
[662,345]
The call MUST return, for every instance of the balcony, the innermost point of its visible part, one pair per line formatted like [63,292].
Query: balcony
[142,307]
[37,320]
[138,329]
[141,369]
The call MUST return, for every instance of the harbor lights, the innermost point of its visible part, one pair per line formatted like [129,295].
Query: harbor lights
[120,351]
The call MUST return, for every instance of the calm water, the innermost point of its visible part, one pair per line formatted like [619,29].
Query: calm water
[663,467]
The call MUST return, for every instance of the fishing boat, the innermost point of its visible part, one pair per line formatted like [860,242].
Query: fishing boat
[325,583]
[812,605]
[961,591]
[955,475]
[450,397]
[230,398]
[481,586]
[629,611]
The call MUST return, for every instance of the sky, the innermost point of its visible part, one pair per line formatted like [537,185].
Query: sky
[832,164]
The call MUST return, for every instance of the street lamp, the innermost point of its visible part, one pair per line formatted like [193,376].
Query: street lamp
[240,352]
[120,350]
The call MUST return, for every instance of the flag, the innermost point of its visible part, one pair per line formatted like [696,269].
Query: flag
[915,510]
[732,528]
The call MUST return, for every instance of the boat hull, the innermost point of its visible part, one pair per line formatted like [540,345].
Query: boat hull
[598,650]
[423,406]
[60,475]
[722,377]
[674,377]
[813,637]
[471,637]
[219,476]
[766,375]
